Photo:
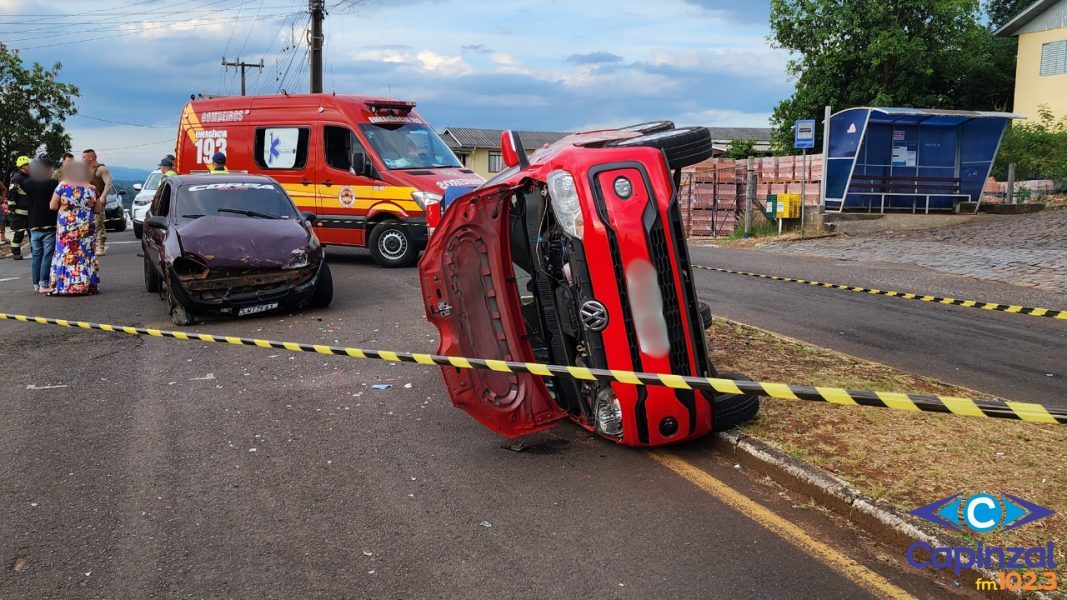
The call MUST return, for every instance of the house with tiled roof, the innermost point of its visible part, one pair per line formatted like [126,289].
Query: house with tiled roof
[479,149]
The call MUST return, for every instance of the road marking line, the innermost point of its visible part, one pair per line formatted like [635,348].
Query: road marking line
[847,567]
[45,387]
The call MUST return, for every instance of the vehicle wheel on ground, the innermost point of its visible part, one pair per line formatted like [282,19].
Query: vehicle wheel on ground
[390,244]
[152,281]
[705,314]
[120,227]
[179,314]
[650,127]
[684,146]
[138,230]
[730,410]
[323,289]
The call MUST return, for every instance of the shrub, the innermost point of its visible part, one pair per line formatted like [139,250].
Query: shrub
[1038,149]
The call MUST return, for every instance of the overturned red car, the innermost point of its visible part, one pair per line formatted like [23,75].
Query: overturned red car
[577,256]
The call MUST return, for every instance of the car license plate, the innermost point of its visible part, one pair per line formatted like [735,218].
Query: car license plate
[244,311]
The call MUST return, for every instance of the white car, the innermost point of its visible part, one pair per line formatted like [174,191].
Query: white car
[143,199]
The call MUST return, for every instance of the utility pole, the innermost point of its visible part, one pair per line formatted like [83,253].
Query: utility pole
[318,13]
[237,64]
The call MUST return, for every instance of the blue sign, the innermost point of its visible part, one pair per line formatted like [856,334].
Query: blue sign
[804,134]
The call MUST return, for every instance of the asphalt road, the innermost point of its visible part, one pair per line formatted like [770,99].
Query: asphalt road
[151,468]
[1013,356]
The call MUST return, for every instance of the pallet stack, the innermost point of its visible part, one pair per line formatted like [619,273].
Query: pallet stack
[712,195]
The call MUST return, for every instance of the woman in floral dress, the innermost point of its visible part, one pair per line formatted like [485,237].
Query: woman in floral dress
[74,265]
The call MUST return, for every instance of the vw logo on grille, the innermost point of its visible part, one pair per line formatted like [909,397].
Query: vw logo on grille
[594,316]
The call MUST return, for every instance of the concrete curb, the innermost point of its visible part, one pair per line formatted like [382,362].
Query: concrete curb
[883,522]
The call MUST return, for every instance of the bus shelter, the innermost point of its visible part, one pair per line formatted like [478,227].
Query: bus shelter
[883,159]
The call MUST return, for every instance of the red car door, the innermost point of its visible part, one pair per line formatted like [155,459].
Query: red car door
[478,314]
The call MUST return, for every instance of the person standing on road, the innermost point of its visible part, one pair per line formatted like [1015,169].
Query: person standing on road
[218,164]
[67,159]
[166,166]
[17,210]
[100,177]
[41,221]
[3,215]
[74,266]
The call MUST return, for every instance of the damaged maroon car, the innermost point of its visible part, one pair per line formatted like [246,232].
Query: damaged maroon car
[577,256]
[232,245]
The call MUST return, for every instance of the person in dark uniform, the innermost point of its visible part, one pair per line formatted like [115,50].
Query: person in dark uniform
[17,206]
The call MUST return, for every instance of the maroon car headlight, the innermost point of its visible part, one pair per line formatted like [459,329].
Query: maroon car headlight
[565,203]
[647,304]
[300,259]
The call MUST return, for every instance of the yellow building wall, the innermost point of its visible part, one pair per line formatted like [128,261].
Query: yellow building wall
[1031,89]
[478,161]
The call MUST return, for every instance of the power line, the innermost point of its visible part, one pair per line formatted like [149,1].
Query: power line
[121,122]
[135,32]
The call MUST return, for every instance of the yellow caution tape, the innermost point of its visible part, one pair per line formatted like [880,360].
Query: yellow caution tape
[1009,308]
[1020,411]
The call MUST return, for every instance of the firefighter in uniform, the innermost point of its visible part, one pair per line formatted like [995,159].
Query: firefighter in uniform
[18,206]
[218,164]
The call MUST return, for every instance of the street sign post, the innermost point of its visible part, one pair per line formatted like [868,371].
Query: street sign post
[803,139]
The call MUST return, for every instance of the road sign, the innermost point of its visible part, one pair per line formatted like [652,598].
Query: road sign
[804,134]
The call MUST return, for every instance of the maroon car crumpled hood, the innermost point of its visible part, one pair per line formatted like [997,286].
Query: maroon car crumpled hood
[229,242]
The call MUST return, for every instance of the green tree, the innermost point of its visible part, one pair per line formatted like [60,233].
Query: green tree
[921,53]
[1002,11]
[33,106]
[740,149]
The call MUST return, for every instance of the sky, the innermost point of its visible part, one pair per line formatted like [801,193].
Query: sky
[514,64]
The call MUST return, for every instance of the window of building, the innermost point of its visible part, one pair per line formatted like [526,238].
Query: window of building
[496,162]
[1054,58]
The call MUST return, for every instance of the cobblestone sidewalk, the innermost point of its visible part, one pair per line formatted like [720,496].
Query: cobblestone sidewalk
[1027,250]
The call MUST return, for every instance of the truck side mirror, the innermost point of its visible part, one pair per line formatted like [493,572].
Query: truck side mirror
[359,164]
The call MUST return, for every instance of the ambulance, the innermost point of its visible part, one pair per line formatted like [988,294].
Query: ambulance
[370,169]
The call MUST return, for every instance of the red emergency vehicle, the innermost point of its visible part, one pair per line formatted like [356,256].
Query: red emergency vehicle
[371,169]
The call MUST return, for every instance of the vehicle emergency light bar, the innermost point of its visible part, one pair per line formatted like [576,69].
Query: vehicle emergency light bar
[398,105]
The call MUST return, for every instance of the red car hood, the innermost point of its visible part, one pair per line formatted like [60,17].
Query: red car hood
[229,242]
[436,180]
[469,290]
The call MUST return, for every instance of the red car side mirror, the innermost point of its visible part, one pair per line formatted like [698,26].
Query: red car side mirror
[512,150]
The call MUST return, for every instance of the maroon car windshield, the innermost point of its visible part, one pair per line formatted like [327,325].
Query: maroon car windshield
[234,199]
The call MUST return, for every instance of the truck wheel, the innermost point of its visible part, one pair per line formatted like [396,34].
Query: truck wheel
[323,289]
[390,245]
[151,278]
[684,147]
[730,410]
[138,230]
[650,127]
[705,315]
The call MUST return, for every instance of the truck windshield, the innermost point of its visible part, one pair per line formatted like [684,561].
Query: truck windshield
[409,146]
[234,199]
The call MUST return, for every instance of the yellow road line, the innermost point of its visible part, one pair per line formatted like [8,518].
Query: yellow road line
[847,567]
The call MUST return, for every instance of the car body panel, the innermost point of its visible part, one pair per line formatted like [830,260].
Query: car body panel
[623,237]
[143,199]
[348,204]
[466,264]
[231,262]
